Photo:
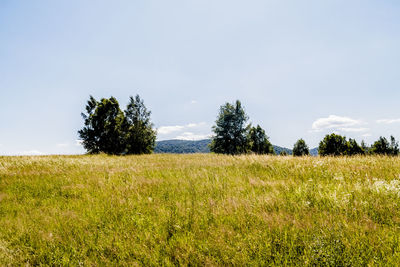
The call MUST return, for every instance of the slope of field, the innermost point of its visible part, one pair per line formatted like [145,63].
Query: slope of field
[201,209]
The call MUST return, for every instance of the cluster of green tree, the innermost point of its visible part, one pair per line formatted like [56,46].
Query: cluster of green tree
[110,130]
[234,136]
[337,145]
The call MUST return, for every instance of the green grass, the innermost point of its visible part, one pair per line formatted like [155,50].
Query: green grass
[199,210]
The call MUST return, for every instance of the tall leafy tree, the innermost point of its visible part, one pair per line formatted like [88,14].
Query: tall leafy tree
[353,148]
[259,141]
[140,137]
[89,134]
[364,147]
[102,130]
[230,130]
[109,130]
[394,146]
[300,148]
[383,147]
[332,145]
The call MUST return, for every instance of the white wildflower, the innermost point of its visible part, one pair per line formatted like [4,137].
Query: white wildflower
[382,186]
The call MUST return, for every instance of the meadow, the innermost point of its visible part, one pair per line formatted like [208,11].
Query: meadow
[199,209]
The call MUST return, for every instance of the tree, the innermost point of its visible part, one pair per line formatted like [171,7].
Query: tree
[353,148]
[394,146]
[230,130]
[258,141]
[364,147]
[89,135]
[300,148]
[109,130]
[332,145]
[383,147]
[102,130]
[140,137]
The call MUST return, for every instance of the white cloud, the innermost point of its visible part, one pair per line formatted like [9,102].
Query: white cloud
[192,136]
[78,142]
[30,153]
[346,129]
[193,102]
[194,125]
[366,135]
[178,128]
[338,123]
[388,121]
[170,129]
[190,131]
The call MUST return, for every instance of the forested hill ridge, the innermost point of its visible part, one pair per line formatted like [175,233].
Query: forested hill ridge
[201,146]
[182,146]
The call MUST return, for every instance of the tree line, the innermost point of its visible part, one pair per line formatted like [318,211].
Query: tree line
[337,145]
[108,129]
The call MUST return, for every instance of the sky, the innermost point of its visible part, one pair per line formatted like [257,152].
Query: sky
[302,69]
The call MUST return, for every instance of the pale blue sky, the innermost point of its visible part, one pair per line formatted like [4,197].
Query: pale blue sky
[301,68]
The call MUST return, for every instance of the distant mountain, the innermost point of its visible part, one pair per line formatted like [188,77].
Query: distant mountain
[182,146]
[201,146]
[279,149]
[314,151]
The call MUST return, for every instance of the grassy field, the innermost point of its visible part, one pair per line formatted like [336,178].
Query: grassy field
[199,209]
